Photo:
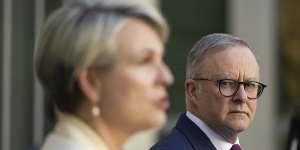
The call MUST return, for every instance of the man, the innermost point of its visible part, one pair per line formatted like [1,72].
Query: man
[222,86]
[294,131]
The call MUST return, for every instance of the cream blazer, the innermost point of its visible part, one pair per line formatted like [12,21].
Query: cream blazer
[70,133]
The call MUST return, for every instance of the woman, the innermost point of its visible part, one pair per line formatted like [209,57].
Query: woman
[101,67]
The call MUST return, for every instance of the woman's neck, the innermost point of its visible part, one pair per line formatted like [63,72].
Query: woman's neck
[112,135]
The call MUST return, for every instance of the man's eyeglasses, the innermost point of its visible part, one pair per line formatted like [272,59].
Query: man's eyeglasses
[229,87]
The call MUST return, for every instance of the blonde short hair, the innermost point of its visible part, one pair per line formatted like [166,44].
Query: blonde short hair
[82,35]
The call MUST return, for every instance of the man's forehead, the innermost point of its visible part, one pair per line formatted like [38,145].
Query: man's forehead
[237,76]
[231,57]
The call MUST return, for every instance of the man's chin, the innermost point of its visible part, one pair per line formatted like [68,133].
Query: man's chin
[239,126]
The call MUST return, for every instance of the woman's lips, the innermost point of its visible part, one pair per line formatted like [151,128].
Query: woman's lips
[164,103]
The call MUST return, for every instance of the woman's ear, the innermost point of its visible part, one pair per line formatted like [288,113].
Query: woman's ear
[89,84]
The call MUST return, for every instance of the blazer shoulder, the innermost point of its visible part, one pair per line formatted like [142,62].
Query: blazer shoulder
[174,141]
[185,136]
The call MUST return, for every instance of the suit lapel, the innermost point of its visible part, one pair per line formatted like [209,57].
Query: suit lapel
[194,134]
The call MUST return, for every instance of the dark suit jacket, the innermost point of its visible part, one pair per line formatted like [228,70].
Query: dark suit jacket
[185,136]
[294,133]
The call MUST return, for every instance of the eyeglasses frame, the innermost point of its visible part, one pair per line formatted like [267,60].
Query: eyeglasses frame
[263,86]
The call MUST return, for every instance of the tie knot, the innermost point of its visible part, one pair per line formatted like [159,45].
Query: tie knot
[235,147]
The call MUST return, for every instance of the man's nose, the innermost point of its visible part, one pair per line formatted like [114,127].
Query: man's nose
[241,94]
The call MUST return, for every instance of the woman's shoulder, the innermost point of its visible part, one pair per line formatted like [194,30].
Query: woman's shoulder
[60,143]
[72,134]
[55,142]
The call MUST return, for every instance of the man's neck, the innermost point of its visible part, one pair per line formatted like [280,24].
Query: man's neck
[217,139]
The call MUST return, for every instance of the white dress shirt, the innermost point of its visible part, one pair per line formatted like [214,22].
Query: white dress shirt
[218,141]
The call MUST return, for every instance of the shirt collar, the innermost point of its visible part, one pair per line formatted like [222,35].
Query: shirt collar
[218,141]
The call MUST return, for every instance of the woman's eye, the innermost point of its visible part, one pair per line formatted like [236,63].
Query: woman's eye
[146,60]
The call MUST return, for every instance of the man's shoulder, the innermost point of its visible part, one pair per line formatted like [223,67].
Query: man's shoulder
[185,136]
[174,141]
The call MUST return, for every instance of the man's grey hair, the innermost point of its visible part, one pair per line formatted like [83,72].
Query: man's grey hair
[206,43]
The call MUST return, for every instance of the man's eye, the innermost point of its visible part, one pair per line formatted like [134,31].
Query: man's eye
[228,84]
[251,85]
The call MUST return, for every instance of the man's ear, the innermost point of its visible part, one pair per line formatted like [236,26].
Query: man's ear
[89,84]
[191,89]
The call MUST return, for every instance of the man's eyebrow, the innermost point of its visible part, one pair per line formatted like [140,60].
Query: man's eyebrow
[229,76]
[252,79]
[223,76]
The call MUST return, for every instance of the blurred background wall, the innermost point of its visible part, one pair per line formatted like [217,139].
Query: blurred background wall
[270,26]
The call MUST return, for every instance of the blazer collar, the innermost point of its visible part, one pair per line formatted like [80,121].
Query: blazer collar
[194,135]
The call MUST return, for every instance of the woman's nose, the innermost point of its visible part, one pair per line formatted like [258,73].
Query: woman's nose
[165,75]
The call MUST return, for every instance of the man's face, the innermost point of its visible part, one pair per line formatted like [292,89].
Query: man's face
[226,114]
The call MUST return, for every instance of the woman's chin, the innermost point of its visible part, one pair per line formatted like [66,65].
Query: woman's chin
[159,120]
[154,121]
